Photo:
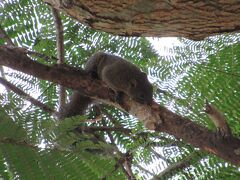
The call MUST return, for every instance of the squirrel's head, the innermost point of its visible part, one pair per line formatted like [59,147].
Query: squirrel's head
[140,89]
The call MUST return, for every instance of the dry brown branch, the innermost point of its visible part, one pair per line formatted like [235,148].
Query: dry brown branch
[156,117]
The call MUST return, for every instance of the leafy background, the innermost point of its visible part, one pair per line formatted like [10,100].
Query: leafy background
[183,79]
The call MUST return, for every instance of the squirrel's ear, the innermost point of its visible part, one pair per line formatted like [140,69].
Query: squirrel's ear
[133,82]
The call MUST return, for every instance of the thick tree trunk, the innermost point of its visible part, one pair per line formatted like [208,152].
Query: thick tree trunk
[163,18]
[156,117]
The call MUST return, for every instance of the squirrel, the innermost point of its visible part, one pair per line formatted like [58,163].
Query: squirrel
[119,75]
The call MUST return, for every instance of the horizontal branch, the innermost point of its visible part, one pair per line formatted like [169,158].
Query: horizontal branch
[156,117]
[157,18]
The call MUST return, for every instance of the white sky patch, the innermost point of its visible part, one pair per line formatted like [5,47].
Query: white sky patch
[161,45]
[2,88]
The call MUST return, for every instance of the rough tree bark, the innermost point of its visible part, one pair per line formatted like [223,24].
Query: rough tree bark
[156,117]
[163,18]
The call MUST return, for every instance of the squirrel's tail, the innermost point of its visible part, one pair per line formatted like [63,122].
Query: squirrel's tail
[77,105]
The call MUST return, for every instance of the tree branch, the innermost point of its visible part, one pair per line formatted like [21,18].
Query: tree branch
[60,54]
[128,165]
[157,18]
[20,92]
[59,34]
[156,117]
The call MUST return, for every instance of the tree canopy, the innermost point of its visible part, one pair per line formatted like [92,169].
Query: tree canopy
[107,142]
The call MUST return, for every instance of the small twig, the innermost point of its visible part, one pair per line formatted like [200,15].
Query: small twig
[26,96]
[7,140]
[60,54]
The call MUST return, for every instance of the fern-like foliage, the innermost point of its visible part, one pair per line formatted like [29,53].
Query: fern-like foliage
[33,145]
